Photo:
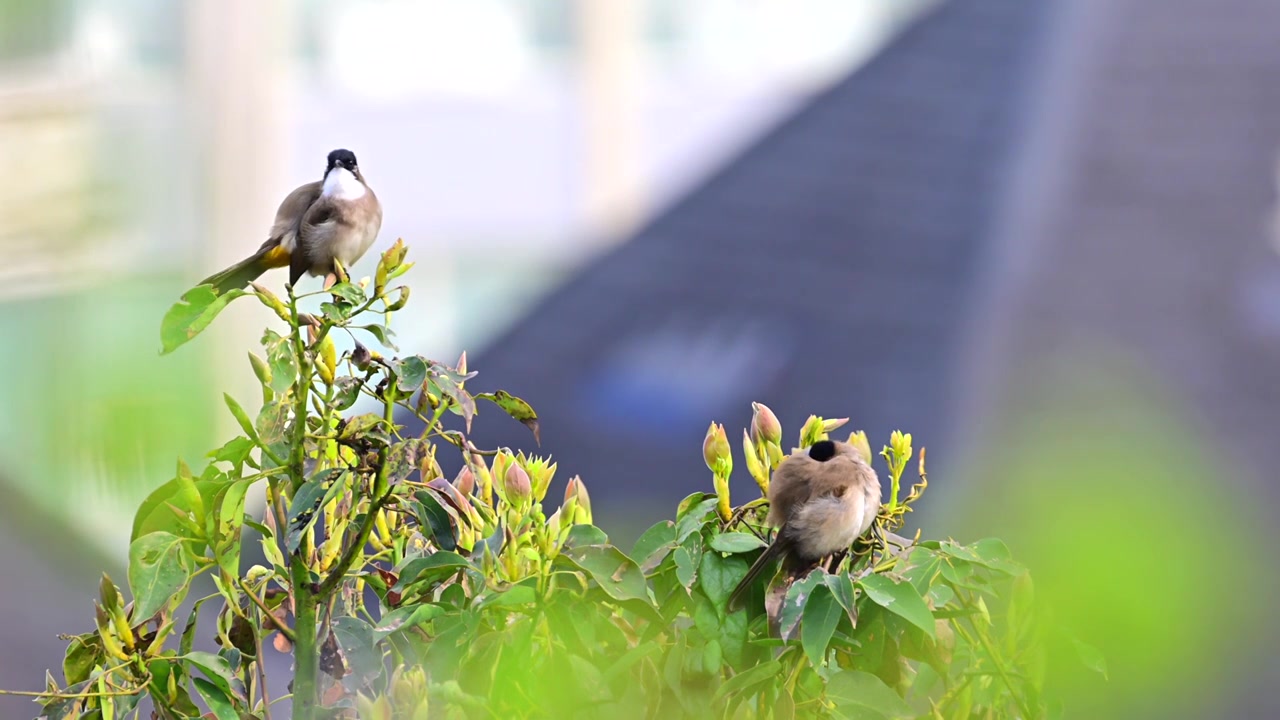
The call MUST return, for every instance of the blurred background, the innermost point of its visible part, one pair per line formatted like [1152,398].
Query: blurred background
[1042,236]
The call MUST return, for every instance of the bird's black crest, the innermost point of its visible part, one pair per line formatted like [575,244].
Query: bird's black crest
[341,158]
[823,450]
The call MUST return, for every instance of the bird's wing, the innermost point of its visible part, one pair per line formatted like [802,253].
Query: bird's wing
[318,224]
[789,487]
[291,212]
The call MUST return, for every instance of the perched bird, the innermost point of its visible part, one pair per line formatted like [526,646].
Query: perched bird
[821,501]
[335,218]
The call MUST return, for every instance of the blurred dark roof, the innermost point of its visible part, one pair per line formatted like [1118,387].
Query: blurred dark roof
[828,269]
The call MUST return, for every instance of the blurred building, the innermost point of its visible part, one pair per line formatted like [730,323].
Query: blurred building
[1040,236]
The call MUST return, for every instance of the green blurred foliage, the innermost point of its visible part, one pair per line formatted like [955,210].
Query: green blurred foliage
[95,411]
[30,28]
[1146,540]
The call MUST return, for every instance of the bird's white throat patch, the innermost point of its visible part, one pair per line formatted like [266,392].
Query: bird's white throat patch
[342,184]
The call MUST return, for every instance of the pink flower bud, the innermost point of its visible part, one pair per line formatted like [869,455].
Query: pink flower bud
[764,424]
[466,481]
[516,482]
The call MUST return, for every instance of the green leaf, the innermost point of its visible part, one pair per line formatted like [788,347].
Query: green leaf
[688,557]
[359,648]
[902,599]
[432,514]
[347,391]
[516,408]
[747,679]
[1091,657]
[692,517]
[282,361]
[411,372]
[841,587]
[189,632]
[360,425]
[733,637]
[615,573]
[84,652]
[794,602]
[821,616]
[349,292]
[436,565]
[382,333]
[236,451]
[192,314]
[735,542]
[585,535]
[226,544]
[304,509]
[863,695]
[403,459]
[464,404]
[523,594]
[155,515]
[406,618]
[660,536]
[994,554]
[242,418]
[216,668]
[159,568]
[336,313]
[718,575]
[219,704]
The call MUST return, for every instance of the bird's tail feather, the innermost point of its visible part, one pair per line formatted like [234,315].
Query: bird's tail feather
[239,275]
[766,558]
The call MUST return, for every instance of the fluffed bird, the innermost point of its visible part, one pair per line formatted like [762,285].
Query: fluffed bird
[334,218]
[821,501]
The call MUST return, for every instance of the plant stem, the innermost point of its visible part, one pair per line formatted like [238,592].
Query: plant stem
[306,659]
[354,550]
[305,655]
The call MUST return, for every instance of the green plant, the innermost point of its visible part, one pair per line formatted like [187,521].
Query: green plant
[402,594]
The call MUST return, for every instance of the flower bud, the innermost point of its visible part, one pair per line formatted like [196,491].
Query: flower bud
[812,431]
[541,471]
[575,496]
[429,467]
[483,478]
[755,465]
[516,482]
[833,424]
[328,364]
[901,444]
[715,451]
[269,299]
[466,481]
[764,424]
[859,441]
[260,369]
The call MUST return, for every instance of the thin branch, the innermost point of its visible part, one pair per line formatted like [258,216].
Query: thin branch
[284,629]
